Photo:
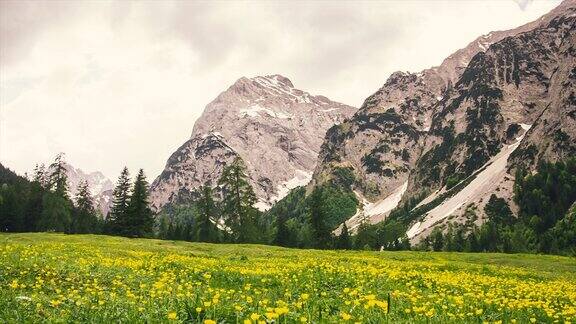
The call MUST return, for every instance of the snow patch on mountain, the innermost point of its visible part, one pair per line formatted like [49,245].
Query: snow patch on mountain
[301,178]
[276,129]
[254,110]
[377,211]
[484,182]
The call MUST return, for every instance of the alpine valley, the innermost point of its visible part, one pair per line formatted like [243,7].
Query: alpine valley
[477,154]
[428,150]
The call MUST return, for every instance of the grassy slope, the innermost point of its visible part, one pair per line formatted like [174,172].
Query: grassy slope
[330,271]
[547,265]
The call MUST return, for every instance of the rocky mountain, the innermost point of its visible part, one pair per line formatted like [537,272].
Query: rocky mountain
[100,187]
[441,141]
[274,127]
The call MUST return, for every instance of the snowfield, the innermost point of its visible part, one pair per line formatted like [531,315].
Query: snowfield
[377,211]
[485,182]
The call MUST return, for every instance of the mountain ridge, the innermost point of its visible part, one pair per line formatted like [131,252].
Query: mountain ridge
[392,143]
[273,126]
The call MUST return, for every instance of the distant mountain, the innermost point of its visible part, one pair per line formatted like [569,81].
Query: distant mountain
[450,136]
[275,128]
[100,187]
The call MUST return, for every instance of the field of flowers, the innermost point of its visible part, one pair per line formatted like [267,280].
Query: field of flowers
[64,278]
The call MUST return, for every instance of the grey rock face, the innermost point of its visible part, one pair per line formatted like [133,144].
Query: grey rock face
[275,128]
[446,123]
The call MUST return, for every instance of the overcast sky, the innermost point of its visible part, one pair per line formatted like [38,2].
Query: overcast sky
[114,83]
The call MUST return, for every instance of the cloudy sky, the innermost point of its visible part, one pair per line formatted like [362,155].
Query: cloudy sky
[114,83]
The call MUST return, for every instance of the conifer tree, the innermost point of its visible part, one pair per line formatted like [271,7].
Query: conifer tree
[84,220]
[238,199]
[140,218]
[282,237]
[40,176]
[56,205]
[344,242]
[38,187]
[320,231]
[58,180]
[118,215]
[206,229]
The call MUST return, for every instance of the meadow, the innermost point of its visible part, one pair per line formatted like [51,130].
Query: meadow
[90,278]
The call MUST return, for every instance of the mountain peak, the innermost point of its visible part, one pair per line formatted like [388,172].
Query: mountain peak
[275,128]
[275,81]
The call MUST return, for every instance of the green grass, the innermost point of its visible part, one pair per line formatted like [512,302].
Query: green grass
[92,278]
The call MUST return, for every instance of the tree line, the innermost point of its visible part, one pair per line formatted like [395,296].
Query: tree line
[545,222]
[44,204]
[226,212]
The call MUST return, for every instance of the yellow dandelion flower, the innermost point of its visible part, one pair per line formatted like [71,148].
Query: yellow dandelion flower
[346,316]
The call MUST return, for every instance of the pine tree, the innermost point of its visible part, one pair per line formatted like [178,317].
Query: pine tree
[282,237]
[206,229]
[84,220]
[118,216]
[366,236]
[58,180]
[437,240]
[320,231]
[40,176]
[56,205]
[344,242]
[140,218]
[238,199]
[38,186]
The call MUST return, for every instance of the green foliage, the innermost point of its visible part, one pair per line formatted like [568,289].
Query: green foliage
[84,218]
[451,181]
[58,181]
[118,216]
[282,236]
[328,206]
[544,223]
[366,237]
[318,220]
[207,216]
[139,215]
[56,213]
[238,201]
[337,204]
[344,242]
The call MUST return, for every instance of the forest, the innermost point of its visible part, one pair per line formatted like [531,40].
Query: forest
[225,213]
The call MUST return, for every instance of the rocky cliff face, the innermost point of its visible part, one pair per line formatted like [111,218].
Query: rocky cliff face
[275,128]
[423,134]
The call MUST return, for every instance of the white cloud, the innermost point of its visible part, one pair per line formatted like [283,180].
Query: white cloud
[115,83]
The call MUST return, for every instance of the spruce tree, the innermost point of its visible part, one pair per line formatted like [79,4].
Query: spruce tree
[282,237]
[56,206]
[38,187]
[437,240]
[344,242]
[40,175]
[58,179]
[118,216]
[320,231]
[206,229]
[84,220]
[140,218]
[238,199]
